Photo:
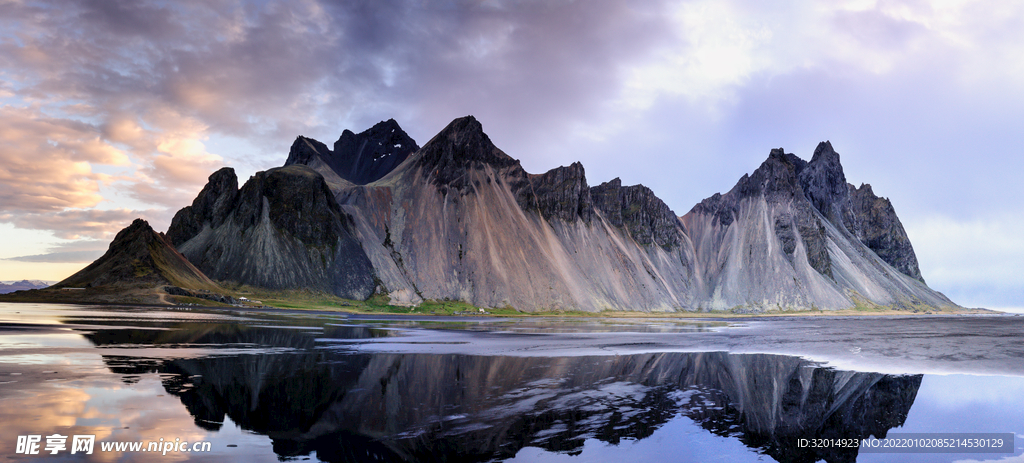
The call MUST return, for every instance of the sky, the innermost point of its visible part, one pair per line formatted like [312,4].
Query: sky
[112,110]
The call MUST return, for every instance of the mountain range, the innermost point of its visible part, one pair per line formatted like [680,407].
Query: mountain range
[459,219]
[11,286]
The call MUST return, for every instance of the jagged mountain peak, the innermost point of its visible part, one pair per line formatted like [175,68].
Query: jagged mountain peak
[301,203]
[613,183]
[224,175]
[825,151]
[137,225]
[282,230]
[824,183]
[873,221]
[305,150]
[461,146]
[777,175]
[819,222]
[383,127]
[358,158]
[865,188]
[213,204]
[463,140]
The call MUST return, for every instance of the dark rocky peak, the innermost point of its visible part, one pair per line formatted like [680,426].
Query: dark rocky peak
[213,204]
[460,147]
[305,150]
[359,158]
[297,197]
[368,156]
[127,259]
[636,208]
[298,201]
[824,183]
[383,131]
[560,193]
[776,177]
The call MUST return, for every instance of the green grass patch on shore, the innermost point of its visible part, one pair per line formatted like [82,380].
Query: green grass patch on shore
[380,304]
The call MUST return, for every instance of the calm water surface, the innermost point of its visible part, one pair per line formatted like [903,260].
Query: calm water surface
[272,386]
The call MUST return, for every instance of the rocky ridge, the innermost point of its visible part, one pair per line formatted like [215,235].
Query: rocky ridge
[636,209]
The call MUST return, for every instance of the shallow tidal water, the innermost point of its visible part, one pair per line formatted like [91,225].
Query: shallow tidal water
[280,385]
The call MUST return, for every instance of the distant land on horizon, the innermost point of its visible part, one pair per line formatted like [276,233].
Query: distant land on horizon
[459,220]
[22,285]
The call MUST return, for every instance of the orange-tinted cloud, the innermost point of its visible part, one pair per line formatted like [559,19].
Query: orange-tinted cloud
[46,163]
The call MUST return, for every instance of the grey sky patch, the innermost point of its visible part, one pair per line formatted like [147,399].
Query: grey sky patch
[80,251]
[74,224]
[60,257]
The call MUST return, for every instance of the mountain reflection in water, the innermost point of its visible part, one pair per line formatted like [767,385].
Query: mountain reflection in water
[433,407]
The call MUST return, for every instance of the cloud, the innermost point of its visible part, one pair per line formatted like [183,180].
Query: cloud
[60,257]
[87,103]
[175,162]
[973,261]
[46,163]
[76,224]
[148,83]
[71,252]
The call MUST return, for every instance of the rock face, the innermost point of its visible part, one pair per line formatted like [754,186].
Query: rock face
[794,234]
[459,219]
[637,210]
[281,230]
[213,206]
[560,193]
[873,221]
[462,220]
[139,256]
